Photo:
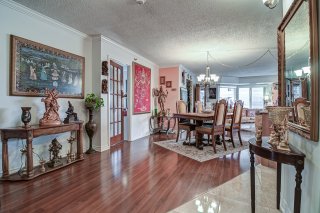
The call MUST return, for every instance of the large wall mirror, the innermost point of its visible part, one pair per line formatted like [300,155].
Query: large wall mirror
[298,67]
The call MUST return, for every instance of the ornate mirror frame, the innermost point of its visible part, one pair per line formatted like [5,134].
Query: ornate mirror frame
[313,132]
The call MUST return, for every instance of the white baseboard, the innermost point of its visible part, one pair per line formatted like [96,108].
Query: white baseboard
[101,148]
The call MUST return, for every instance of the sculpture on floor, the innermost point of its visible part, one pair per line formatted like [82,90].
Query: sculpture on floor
[54,149]
[51,115]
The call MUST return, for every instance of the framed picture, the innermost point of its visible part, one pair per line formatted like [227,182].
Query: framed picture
[36,67]
[162,80]
[213,93]
[141,88]
[184,94]
[168,84]
[183,77]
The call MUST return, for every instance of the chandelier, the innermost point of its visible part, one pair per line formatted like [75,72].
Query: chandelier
[270,3]
[208,79]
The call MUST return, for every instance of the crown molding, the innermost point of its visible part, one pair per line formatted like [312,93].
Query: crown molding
[135,55]
[31,13]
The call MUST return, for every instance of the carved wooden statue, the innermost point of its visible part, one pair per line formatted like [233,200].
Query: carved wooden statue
[161,99]
[51,115]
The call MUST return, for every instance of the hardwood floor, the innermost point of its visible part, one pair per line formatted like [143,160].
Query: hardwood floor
[131,177]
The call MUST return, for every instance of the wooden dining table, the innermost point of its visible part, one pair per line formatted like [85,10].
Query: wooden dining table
[199,118]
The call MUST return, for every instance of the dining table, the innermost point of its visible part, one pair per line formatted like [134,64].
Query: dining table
[199,118]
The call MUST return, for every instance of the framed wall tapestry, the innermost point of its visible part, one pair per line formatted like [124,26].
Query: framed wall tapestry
[141,88]
[36,67]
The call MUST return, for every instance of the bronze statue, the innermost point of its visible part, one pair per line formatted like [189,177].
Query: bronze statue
[71,115]
[54,149]
[161,99]
[51,115]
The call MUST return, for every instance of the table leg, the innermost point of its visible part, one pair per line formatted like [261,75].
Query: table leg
[29,155]
[278,184]
[199,143]
[297,192]
[5,158]
[252,178]
[80,142]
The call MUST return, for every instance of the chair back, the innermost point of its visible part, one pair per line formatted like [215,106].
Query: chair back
[220,113]
[181,106]
[298,104]
[199,107]
[237,113]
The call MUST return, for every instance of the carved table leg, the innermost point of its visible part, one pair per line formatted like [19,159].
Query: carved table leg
[29,155]
[199,143]
[5,159]
[297,192]
[278,184]
[80,142]
[252,178]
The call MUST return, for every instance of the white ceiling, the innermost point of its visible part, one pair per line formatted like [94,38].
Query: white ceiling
[171,32]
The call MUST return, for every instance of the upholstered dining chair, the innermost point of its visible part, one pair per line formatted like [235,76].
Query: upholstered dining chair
[199,106]
[235,125]
[184,124]
[218,125]
[298,105]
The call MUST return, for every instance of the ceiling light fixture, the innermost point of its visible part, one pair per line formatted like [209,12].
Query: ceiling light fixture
[141,1]
[208,79]
[270,3]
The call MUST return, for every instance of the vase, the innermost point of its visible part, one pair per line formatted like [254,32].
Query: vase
[279,117]
[91,127]
[26,116]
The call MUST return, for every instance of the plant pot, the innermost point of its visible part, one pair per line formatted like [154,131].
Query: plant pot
[91,128]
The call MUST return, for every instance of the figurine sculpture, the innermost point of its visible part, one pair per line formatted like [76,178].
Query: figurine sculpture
[71,115]
[161,99]
[54,149]
[51,115]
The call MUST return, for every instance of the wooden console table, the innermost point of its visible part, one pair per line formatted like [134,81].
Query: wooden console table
[29,134]
[293,157]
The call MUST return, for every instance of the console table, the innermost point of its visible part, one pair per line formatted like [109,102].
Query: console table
[293,157]
[29,134]
[162,124]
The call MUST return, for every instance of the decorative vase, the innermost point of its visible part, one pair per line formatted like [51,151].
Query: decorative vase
[279,130]
[91,127]
[42,166]
[26,116]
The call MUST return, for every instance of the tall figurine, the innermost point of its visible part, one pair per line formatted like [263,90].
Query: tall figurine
[51,115]
[162,99]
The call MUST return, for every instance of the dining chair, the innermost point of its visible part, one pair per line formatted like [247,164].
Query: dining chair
[184,124]
[235,125]
[298,105]
[218,125]
[199,106]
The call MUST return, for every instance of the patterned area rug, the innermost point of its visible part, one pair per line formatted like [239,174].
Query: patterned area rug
[207,152]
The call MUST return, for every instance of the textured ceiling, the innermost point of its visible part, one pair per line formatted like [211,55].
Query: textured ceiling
[236,32]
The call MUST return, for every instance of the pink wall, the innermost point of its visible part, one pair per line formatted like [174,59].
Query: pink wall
[171,74]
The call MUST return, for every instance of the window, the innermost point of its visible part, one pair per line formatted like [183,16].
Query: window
[244,95]
[228,93]
[257,98]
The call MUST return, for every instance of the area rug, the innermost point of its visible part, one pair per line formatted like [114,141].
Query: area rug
[207,152]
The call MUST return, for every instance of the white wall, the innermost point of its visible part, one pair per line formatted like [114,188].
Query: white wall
[139,124]
[310,175]
[20,21]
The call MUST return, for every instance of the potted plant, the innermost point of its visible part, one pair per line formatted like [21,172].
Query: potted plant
[92,102]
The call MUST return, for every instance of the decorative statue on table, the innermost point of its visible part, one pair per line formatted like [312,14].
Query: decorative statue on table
[161,99]
[54,149]
[71,115]
[51,115]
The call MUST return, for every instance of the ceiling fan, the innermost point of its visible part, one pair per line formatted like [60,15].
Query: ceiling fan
[270,3]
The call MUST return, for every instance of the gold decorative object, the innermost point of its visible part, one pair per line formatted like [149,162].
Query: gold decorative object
[161,99]
[51,115]
[279,128]
[42,166]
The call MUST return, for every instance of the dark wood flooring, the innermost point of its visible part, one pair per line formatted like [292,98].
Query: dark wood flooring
[131,177]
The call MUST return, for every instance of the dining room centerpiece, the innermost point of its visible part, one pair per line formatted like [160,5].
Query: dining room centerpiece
[279,117]
[92,102]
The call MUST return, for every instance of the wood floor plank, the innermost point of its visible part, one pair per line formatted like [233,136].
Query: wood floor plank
[131,177]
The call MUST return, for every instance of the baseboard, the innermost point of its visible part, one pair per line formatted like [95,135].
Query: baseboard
[284,207]
[101,148]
